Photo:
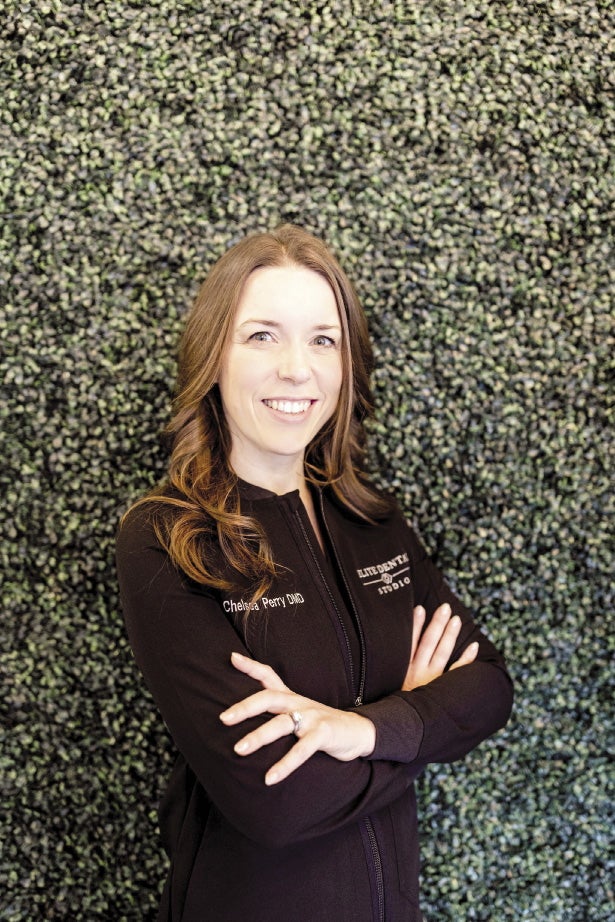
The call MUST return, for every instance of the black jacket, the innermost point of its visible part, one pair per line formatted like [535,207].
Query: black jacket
[336,840]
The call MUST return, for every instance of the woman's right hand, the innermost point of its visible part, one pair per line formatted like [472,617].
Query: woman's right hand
[432,647]
[343,734]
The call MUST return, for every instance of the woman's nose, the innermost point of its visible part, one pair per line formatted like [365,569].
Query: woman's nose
[294,364]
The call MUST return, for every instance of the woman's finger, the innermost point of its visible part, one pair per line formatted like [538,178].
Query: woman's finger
[418,623]
[303,750]
[432,635]
[259,671]
[446,645]
[468,656]
[279,726]
[268,701]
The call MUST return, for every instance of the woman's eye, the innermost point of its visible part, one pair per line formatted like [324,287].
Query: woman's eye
[326,341]
[262,336]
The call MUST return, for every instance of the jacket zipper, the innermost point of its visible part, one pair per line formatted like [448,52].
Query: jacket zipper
[373,842]
[367,823]
[306,538]
[369,829]
[359,699]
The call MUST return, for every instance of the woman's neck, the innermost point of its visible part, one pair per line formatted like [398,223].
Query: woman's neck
[280,479]
[284,480]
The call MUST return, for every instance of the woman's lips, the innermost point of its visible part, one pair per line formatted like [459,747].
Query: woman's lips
[291,407]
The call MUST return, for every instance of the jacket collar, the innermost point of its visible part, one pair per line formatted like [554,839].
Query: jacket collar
[252,493]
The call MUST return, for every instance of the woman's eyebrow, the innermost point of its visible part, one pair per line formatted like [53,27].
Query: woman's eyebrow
[276,324]
[262,323]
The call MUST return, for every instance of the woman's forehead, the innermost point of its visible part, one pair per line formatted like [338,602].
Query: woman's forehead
[279,292]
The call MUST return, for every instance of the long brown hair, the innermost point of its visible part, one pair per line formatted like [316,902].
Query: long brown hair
[201,485]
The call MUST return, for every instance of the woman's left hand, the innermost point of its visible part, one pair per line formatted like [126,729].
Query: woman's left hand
[341,734]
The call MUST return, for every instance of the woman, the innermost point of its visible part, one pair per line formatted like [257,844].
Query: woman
[306,656]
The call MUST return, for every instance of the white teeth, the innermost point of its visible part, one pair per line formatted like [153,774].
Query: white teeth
[288,406]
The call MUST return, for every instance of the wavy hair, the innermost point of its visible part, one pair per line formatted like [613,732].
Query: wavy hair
[201,485]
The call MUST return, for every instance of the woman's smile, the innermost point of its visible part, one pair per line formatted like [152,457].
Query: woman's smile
[289,407]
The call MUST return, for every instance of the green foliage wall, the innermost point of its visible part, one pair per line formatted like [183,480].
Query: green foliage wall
[457,157]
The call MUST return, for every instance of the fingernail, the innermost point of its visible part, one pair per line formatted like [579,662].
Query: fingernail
[235,655]
[241,746]
[227,715]
[271,777]
[447,608]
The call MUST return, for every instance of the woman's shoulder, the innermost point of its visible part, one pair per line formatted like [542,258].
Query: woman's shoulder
[383,510]
[142,523]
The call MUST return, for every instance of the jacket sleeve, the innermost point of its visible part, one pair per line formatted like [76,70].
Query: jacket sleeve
[182,642]
[445,719]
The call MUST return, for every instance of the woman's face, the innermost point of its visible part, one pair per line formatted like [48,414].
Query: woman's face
[281,373]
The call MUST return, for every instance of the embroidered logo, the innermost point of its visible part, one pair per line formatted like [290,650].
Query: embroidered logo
[388,576]
[266,602]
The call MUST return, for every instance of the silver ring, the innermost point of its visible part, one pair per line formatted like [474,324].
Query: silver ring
[297,719]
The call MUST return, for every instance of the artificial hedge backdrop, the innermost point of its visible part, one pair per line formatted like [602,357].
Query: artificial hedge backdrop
[457,157]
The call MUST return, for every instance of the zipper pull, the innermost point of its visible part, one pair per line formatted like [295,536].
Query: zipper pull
[358,702]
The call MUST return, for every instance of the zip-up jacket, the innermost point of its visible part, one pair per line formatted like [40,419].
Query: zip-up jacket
[336,841]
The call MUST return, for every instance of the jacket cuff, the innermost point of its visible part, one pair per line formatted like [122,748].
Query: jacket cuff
[399,729]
